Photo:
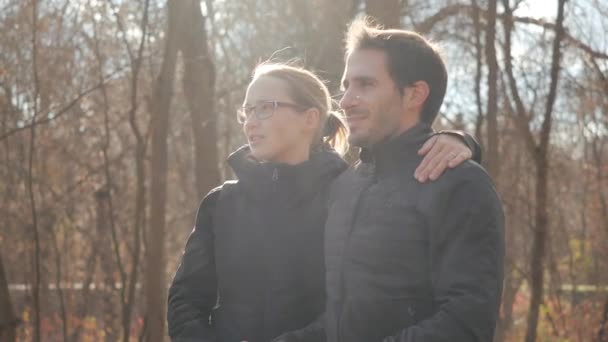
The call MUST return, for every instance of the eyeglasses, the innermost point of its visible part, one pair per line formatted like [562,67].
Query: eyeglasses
[262,110]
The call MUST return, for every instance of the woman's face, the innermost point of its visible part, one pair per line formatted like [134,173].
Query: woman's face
[284,132]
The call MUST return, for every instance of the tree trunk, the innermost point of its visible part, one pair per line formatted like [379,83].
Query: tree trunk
[30,177]
[105,211]
[505,323]
[8,321]
[82,308]
[539,153]
[328,60]
[155,253]
[602,334]
[199,89]
[387,12]
[478,71]
[492,157]
[63,310]
[542,172]
[128,291]
[539,243]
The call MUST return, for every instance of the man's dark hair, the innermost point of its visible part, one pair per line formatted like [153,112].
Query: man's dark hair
[410,58]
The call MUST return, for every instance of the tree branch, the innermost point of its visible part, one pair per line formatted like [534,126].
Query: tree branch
[520,116]
[446,12]
[60,113]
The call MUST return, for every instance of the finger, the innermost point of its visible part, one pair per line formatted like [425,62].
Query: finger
[439,169]
[434,157]
[428,163]
[459,159]
[456,161]
[428,145]
[430,151]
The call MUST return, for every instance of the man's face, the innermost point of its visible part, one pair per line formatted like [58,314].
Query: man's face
[373,106]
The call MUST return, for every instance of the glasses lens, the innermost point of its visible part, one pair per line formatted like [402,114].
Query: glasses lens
[261,111]
[264,110]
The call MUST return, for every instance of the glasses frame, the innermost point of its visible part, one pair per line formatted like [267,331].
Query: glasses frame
[245,112]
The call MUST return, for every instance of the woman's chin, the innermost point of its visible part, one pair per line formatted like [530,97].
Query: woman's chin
[258,153]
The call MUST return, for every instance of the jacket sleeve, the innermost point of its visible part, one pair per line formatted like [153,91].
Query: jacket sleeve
[314,332]
[193,292]
[467,253]
[468,139]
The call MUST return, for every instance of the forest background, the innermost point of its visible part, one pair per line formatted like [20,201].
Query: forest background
[116,118]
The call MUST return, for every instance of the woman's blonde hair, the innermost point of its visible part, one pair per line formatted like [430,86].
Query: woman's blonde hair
[308,91]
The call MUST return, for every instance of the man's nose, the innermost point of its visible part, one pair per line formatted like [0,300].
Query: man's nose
[348,100]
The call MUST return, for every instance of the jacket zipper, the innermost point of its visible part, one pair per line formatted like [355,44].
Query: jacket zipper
[353,221]
[275,174]
[275,189]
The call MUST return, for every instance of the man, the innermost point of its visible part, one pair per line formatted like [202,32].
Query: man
[407,261]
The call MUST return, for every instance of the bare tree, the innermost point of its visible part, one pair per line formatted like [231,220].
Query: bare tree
[160,107]
[387,12]
[540,154]
[8,321]
[597,147]
[30,181]
[478,69]
[129,280]
[199,88]
[94,95]
[492,157]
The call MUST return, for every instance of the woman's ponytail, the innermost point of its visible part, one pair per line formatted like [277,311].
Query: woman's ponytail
[335,133]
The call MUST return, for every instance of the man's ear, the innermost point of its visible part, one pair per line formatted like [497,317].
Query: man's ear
[416,94]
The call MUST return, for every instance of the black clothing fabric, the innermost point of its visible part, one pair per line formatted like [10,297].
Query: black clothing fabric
[257,252]
[407,261]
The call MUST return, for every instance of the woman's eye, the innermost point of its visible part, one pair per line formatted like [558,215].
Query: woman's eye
[266,107]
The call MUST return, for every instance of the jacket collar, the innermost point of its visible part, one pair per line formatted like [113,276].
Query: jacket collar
[397,153]
[291,181]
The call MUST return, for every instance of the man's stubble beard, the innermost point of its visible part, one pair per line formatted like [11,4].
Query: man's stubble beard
[382,127]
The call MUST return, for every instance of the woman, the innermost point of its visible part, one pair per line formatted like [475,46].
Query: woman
[253,266]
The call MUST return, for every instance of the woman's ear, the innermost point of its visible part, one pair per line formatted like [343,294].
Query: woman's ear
[313,118]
